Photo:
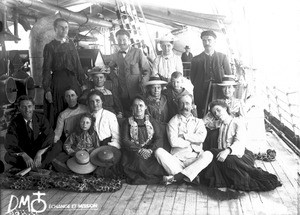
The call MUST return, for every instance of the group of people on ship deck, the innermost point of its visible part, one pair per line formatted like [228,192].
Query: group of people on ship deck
[142,124]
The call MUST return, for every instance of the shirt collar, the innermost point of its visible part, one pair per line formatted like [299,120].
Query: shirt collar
[209,54]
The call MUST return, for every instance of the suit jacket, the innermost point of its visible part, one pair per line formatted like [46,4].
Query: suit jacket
[186,58]
[134,71]
[199,76]
[18,140]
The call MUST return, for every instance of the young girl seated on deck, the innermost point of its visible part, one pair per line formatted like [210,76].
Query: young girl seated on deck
[233,165]
[84,138]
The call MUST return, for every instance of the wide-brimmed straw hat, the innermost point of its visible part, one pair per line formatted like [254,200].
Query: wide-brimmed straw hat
[105,156]
[155,80]
[166,38]
[228,81]
[98,70]
[80,163]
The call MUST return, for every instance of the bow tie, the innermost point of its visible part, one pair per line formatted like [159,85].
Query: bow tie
[122,52]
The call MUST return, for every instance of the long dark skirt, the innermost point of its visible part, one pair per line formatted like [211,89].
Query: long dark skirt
[141,171]
[238,173]
[61,81]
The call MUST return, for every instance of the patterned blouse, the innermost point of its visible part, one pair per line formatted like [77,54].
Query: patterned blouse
[83,141]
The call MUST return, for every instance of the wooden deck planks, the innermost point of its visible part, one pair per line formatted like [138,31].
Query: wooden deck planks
[191,201]
[179,201]
[246,204]
[113,199]
[202,197]
[157,201]
[135,200]
[99,200]
[146,200]
[124,200]
[168,201]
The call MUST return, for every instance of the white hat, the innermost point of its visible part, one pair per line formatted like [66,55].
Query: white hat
[166,38]
[155,80]
[228,80]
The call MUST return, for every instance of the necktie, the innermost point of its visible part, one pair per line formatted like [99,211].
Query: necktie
[29,129]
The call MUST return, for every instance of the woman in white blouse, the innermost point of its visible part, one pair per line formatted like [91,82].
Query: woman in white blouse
[233,165]
[106,124]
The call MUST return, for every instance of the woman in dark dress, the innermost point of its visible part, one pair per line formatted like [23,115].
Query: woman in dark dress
[61,70]
[141,137]
[233,165]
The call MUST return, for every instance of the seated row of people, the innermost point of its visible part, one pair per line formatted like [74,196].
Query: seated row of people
[144,159]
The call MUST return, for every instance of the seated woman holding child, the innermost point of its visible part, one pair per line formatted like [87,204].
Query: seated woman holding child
[141,137]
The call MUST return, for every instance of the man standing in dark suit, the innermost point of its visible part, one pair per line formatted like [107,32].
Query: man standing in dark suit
[207,68]
[186,57]
[29,138]
[133,70]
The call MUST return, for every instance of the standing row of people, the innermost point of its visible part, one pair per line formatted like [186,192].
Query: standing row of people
[62,69]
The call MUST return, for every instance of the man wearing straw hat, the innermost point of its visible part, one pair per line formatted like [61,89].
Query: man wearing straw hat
[207,68]
[168,62]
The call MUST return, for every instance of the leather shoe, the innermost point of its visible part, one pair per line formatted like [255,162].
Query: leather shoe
[168,179]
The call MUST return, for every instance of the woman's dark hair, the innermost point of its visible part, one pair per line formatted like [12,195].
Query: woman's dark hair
[142,98]
[219,102]
[94,92]
[91,129]
[72,88]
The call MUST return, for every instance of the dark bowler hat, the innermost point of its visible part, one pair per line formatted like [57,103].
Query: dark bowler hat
[208,33]
[123,32]
[228,80]
[105,156]
[187,47]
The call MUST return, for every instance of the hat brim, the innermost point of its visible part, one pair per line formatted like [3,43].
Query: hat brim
[80,168]
[97,72]
[160,82]
[116,156]
[228,83]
